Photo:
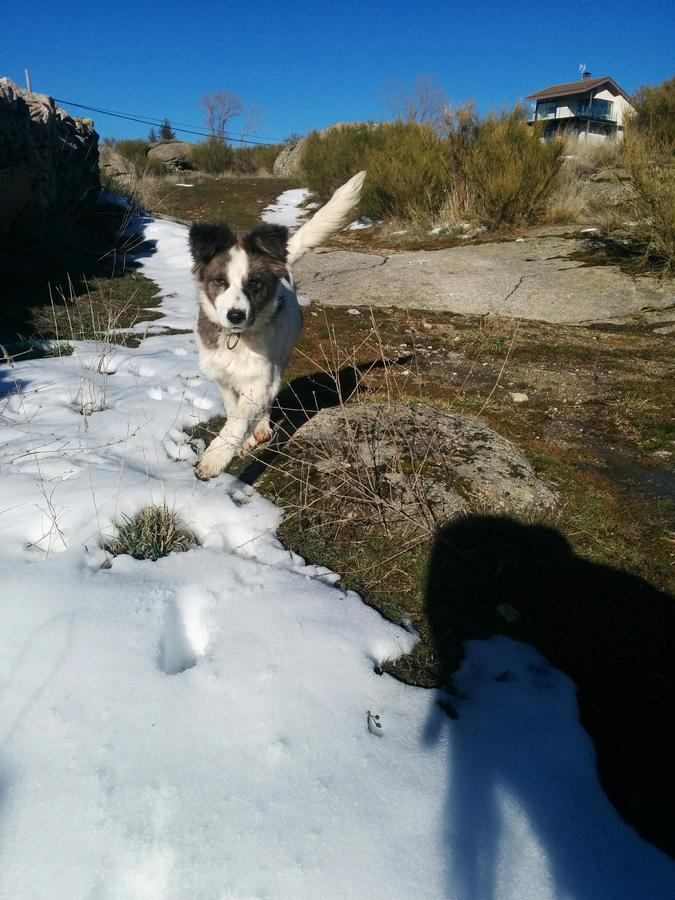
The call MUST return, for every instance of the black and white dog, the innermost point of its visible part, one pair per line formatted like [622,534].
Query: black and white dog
[249,318]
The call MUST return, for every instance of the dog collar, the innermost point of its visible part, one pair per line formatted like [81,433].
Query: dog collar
[233,339]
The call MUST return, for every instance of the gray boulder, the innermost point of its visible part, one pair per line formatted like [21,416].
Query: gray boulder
[112,163]
[175,155]
[287,163]
[414,465]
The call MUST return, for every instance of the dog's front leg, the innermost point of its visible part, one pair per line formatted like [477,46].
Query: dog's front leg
[240,424]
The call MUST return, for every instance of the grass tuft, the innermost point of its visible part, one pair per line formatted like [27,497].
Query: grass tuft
[153,532]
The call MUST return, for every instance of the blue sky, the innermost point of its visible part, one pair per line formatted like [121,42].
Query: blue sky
[308,64]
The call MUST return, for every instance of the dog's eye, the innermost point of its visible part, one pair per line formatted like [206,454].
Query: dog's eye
[254,286]
[221,282]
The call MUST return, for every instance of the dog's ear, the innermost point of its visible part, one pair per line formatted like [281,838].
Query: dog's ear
[207,239]
[271,240]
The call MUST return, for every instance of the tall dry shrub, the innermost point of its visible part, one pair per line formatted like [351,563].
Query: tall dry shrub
[654,107]
[213,156]
[494,169]
[136,151]
[649,160]
[650,164]
[250,160]
[405,161]
[510,172]
[331,157]
[407,172]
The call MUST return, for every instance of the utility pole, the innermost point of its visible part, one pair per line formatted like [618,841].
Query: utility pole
[27,72]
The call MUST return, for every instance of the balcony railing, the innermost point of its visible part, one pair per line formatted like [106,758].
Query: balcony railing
[591,111]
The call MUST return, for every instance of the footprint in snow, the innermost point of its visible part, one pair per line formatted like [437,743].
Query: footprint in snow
[142,370]
[184,635]
[176,445]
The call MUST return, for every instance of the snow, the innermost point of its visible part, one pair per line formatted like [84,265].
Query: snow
[287,209]
[360,224]
[199,726]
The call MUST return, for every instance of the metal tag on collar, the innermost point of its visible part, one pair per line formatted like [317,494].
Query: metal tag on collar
[232,341]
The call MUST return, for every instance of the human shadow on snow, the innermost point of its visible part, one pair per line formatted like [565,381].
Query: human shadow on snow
[513,746]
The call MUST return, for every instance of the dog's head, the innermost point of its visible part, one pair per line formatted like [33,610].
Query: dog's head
[238,277]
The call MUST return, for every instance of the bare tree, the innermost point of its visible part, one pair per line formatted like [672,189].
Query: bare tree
[425,101]
[252,121]
[219,107]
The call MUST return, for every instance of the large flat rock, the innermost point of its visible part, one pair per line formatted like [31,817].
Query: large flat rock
[534,278]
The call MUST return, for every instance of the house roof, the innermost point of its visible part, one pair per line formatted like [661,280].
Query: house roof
[576,87]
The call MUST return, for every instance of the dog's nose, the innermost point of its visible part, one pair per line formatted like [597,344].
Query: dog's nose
[236,316]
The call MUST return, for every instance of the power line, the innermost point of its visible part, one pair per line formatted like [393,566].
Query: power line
[147,120]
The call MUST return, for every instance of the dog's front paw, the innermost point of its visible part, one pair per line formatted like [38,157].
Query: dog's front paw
[208,467]
[261,435]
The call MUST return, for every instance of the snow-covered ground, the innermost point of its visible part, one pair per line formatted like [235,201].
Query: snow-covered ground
[287,209]
[197,727]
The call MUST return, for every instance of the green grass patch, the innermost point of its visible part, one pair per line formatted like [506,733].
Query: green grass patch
[237,200]
[152,533]
[103,305]
[644,408]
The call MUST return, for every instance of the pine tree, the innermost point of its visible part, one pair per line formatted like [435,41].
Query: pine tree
[152,137]
[166,132]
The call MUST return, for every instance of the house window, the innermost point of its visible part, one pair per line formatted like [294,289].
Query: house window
[601,109]
[597,109]
[546,109]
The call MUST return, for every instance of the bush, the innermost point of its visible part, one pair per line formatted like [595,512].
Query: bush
[655,112]
[260,158]
[406,166]
[407,172]
[213,156]
[648,158]
[509,171]
[495,169]
[331,158]
[136,151]
[154,532]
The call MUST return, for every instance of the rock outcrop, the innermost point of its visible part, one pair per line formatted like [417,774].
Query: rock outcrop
[176,155]
[539,277]
[416,464]
[49,175]
[288,161]
[113,164]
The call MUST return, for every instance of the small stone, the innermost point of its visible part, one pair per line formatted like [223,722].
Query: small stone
[354,312]
[518,398]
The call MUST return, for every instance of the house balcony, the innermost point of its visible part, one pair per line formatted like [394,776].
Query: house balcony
[593,113]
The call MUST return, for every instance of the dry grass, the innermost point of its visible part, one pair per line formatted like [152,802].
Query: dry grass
[650,164]
[492,170]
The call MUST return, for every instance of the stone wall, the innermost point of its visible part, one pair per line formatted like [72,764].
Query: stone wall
[49,175]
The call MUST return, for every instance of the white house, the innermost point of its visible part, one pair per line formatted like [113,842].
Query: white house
[593,108]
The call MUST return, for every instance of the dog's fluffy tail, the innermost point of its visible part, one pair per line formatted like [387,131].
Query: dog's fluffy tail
[329,219]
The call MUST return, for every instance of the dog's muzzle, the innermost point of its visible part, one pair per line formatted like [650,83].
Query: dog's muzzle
[237,320]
